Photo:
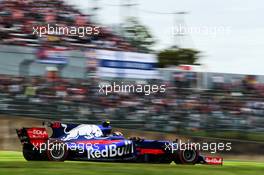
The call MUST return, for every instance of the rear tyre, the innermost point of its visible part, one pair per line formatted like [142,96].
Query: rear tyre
[28,153]
[57,151]
[31,154]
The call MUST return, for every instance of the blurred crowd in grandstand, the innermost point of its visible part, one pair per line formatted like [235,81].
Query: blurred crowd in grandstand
[237,105]
[18,17]
[220,108]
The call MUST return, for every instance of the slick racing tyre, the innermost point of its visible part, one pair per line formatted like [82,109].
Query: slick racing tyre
[187,156]
[28,153]
[57,151]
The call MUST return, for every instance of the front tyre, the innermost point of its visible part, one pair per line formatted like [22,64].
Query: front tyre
[187,156]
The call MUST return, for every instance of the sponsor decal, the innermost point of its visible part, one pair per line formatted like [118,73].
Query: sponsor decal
[214,160]
[37,133]
[111,151]
[87,131]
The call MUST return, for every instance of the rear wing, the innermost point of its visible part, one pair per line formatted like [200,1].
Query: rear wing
[38,135]
[34,136]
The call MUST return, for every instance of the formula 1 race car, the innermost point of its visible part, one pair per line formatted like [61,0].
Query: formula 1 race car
[99,143]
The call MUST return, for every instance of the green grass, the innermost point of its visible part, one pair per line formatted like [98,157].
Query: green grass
[12,163]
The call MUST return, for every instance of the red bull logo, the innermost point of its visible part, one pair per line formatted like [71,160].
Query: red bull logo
[87,131]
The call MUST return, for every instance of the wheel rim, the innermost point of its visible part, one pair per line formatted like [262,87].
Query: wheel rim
[189,155]
[57,151]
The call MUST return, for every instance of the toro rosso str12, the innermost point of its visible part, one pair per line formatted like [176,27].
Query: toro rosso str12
[99,143]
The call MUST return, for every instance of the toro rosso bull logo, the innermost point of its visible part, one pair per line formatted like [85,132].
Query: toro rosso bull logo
[111,151]
[88,131]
